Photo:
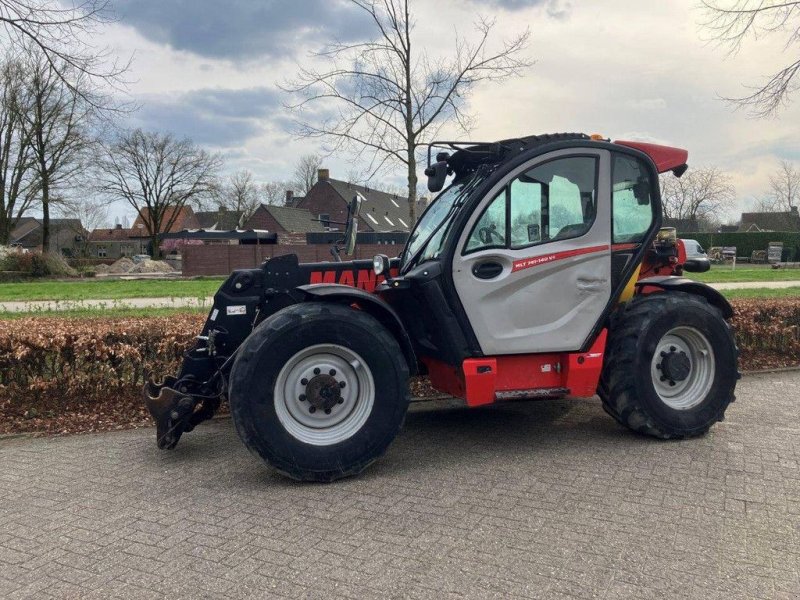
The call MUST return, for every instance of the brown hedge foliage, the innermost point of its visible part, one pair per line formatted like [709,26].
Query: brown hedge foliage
[86,374]
[89,369]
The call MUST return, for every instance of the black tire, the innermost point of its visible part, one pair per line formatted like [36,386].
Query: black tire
[278,340]
[627,387]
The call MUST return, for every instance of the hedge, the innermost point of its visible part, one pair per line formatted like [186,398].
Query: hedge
[747,242]
[58,366]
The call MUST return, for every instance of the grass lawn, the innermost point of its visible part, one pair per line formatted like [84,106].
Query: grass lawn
[724,274]
[116,289]
[763,293]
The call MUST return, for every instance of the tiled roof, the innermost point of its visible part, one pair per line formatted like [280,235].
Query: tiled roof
[110,235]
[770,221]
[381,211]
[225,220]
[294,220]
[184,220]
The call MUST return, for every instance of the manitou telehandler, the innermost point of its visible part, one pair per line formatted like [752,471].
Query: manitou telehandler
[540,271]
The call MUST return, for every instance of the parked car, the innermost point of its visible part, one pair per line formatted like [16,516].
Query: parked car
[697,260]
[140,258]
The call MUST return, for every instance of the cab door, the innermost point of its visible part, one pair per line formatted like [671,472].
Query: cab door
[533,265]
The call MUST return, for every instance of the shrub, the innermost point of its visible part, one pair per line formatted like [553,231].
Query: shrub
[37,264]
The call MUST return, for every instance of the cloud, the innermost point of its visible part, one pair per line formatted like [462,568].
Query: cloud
[216,117]
[555,9]
[243,29]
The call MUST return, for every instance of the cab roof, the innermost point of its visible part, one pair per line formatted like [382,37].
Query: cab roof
[470,155]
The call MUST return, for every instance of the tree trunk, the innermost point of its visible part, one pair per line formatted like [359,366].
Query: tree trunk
[5,230]
[45,212]
[154,243]
[412,189]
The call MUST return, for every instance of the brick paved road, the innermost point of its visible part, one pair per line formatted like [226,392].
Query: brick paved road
[549,500]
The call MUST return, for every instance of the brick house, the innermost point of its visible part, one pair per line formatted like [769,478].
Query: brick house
[290,224]
[116,242]
[67,236]
[382,212]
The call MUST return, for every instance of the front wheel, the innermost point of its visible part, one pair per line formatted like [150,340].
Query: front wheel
[319,391]
[671,365]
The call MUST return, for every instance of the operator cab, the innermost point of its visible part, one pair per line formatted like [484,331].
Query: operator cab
[530,245]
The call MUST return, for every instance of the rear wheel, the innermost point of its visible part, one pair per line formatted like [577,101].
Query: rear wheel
[319,391]
[671,365]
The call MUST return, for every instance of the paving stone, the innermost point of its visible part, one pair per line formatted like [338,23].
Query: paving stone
[527,500]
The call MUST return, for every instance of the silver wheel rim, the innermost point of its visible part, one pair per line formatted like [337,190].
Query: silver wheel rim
[299,407]
[686,393]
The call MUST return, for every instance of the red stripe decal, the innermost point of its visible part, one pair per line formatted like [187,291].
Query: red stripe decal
[535,261]
[619,247]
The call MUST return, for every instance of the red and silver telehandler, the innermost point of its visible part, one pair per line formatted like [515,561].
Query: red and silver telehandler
[539,271]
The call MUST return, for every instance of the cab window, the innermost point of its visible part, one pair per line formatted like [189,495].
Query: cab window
[556,200]
[631,202]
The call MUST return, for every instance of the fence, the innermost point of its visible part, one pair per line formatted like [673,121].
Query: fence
[747,242]
[222,259]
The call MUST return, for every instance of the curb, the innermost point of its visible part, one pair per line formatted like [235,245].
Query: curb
[773,370]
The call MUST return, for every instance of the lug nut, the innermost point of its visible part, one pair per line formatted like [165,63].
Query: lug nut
[662,378]
[672,348]
[340,401]
[316,371]
[312,409]
[658,366]
[342,384]
[302,397]
[672,383]
[327,411]
[663,353]
[332,372]
[304,381]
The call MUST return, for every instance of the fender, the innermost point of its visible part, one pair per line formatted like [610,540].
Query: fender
[370,303]
[670,283]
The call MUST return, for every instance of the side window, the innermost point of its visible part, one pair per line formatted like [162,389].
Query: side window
[556,200]
[631,204]
[490,230]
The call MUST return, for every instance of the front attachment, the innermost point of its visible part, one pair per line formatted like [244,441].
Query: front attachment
[176,410]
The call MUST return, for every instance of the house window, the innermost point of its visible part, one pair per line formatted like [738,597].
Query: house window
[325,218]
[101,252]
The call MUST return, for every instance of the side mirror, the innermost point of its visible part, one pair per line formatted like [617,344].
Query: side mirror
[351,231]
[437,173]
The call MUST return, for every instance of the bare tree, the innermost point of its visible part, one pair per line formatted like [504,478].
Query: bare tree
[240,193]
[305,173]
[57,123]
[157,175]
[89,210]
[19,185]
[274,192]
[388,97]
[784,187]
[64,33]
[700,195]
[732,22]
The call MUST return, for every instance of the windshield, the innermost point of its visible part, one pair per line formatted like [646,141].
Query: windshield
[428,236]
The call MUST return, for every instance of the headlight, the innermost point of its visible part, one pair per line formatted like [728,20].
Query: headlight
[380,264]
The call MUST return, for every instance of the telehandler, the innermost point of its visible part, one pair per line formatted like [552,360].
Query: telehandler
[540,271]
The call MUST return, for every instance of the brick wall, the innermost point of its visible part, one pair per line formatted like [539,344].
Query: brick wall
[221,260]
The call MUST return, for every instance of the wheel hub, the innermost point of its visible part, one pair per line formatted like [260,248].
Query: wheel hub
[675,365]
[323,392]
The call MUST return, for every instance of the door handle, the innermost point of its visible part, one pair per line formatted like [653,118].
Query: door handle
[487,270]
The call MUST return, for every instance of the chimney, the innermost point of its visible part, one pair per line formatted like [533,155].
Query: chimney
[323,174]
[118,226]
[289,197]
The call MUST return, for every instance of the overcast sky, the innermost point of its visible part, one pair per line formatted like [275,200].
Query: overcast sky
[628,69]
